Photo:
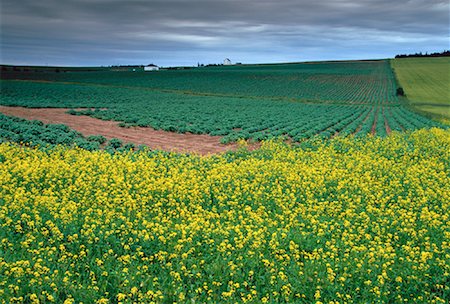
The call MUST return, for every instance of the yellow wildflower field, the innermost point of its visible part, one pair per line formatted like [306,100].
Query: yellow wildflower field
[343,221]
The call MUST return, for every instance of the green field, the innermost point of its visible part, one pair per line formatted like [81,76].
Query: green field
[361,82]
[295,101]
[426,82]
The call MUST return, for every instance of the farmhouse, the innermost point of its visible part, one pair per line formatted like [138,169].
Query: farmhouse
[227,61]
[151,67]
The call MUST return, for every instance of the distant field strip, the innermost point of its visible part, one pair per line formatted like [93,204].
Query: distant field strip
[193,93]
[426,82]
[342,82]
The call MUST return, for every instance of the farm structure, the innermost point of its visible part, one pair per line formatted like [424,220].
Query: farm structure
[151,67]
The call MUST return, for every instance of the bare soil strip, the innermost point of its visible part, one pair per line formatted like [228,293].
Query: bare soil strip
[154,139]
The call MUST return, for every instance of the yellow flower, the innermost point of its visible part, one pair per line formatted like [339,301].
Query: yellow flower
[317,294]
[181,296]
[69,301]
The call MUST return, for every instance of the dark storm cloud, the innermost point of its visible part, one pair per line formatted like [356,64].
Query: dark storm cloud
[172,32]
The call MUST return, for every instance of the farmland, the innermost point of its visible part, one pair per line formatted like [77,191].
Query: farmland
[34,131]
[294,101]
[369,82]
[346,199]
[426,82]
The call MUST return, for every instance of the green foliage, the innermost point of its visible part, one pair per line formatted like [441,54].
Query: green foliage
[35,133]
[115,143]
[128,146]
[400,92]
[87,145]
[97,138]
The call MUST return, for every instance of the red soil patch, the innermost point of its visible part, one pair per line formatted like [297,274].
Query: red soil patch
[154,139]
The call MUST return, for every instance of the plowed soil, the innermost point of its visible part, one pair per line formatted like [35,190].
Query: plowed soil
[154,139]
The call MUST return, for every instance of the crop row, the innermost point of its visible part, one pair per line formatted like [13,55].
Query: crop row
[408,120]
[37,134]
[380,128]
[353,126]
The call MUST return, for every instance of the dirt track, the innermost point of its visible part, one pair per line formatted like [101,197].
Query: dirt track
[155,139]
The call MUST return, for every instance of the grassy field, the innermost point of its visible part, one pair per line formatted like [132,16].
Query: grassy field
[426,82]
[347,220]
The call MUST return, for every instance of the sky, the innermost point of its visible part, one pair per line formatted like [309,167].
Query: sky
[187,32]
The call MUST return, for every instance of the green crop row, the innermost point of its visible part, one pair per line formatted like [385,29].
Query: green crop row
[380,128]
[354,124]
[411,121]
[37,134]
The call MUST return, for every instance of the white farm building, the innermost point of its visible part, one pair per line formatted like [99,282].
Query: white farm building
[151,67]
[227,61]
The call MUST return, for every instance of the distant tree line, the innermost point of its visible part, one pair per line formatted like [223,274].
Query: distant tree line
[420,54]
[179,68]
[127,66]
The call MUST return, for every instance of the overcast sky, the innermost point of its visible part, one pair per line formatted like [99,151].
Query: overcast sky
[184,32]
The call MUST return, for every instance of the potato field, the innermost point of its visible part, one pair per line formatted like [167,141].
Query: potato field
[295,101]
[369,82]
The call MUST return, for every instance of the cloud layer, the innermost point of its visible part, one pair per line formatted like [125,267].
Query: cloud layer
[184,32]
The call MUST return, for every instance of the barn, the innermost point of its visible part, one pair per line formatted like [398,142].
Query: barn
[151,67]
[227,61]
